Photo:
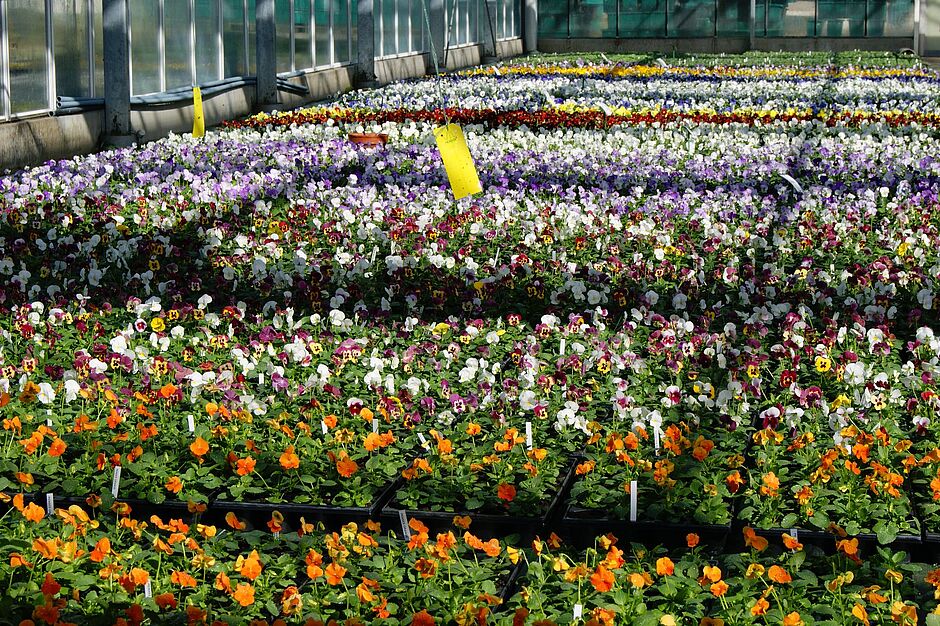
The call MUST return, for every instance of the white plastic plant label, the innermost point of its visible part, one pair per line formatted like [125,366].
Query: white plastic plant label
[116,482]
[50,504]
[528,435]
[191,423]
[633,490]
[405,529]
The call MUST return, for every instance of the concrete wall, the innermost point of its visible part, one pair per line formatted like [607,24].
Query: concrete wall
[37,139]
[727,45]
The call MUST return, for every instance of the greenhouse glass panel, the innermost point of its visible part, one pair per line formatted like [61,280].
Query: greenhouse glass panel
[641,18]
[321,14]
[29,76]
[789,18]
[207,40]
[690,18]
[70,34]
[145,46]
[553,19]
[282,45]
[233,37]
[177,51]
[353,29]
[891,18]
[388,27]
[734,17]
[303,35]
[592,18]
[418,29]
[403,8]
[841,18]
[341,31]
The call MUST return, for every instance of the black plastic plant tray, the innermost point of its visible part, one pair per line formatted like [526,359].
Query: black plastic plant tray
[827,541]
[581,530]
[483,525]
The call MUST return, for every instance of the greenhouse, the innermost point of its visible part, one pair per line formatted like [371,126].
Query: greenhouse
[470,312]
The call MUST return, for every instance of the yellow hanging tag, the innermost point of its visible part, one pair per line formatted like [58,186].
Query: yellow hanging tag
[199,120]
[461,172]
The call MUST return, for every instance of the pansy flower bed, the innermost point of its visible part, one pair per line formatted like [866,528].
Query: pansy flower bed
[709,289]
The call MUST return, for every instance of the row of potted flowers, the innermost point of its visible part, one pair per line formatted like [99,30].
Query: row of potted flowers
[82,565]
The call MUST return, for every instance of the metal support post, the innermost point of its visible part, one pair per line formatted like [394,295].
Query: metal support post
[117,77]
[365,45]
[265,54]
[530,25]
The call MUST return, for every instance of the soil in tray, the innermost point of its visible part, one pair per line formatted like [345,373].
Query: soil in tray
[691,478]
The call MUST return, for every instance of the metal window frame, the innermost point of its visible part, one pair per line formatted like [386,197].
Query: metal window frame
[161,45]
[90,46]
[192,42]
[245,43]
[6,104]
[219,29]
[50,57]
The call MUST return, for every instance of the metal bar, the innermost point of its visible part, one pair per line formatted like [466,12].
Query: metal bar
[752,24]
[220,39]
[330,41]
[50,57]
[161,44]
[5,105]
[192,42]
[290,35]
[312,26]
[90,45]
[865,25]
[715,21]
[246,46]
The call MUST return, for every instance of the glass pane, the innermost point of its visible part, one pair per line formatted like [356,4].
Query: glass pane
[282,26]
[233,37]
[145,49]
[322,16]
[418,36]
[70,34]
[177,52]
[589,18]
[207,40]
[891,18]
[27,40]
[760,18]
[341,31]
[388,27]
[841,18]
[641,18]
[252,59]
[553,19]
[790,18]
[404,24]
[733,17]
[303,26]
[691,18]
[476,21]
[99,48]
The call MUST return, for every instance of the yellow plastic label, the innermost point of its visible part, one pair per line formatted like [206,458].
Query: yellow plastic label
[199,119]
[461,172]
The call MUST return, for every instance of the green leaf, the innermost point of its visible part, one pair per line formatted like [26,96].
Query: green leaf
[788,520]
[885,532]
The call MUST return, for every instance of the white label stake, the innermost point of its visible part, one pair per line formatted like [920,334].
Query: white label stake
[50,504]
[633,490]
[405,529]
[191,423]
[656,439]
[578,611]
[561,347]
[148,589]
[795,534]
[528,435]
[423,440]
[375,424]
[116,482]
[324,427]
